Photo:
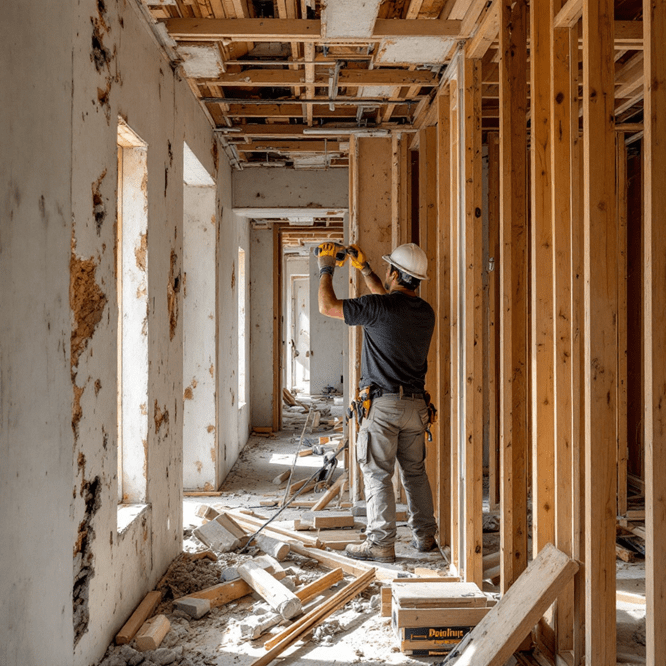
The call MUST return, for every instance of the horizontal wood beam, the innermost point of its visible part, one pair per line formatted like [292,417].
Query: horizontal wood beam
[262,78]
[284,130]
[295,110]
[318,146]
[299,30]
[338,101]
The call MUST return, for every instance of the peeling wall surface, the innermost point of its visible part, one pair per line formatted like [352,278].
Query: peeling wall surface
[328,337]
[199,358]
[69,567]
[261,327]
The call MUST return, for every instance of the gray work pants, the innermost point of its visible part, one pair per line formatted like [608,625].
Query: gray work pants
[394,429]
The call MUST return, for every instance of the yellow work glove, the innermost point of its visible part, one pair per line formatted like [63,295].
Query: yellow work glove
[358,259]
[326,257]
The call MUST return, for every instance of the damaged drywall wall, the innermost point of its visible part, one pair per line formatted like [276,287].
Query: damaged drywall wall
[200,325]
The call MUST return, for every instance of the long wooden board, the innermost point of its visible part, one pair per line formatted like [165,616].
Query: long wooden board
[503,629]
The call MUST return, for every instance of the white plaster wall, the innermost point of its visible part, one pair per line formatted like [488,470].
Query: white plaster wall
[234,420]
[68,75]
[328,336]
[261,327]
[199,322]
[36,438]
[291,188]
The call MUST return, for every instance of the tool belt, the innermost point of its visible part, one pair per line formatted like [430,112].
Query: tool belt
[364,397]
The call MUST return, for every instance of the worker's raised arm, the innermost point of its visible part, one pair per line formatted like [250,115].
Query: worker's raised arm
[360,262]
[329,304]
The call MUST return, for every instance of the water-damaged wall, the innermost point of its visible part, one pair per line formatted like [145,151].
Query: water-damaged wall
[68,567]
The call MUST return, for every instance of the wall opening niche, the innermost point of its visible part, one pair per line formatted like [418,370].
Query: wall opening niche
[132,350]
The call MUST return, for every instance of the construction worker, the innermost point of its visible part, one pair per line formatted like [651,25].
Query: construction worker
[397,328]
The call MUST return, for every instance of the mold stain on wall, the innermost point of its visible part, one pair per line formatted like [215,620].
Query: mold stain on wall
[173,287]
[84,568]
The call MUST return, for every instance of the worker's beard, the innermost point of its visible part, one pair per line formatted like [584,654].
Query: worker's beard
[387,286]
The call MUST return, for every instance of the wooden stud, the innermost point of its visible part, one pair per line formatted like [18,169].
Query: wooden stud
[654,16]
[560,154]
[428,290]
[443,308]
[600,343]
[542,323]
[513,287]
[473,194]
[454,253]
[370,173]
[621,212]
[494,305]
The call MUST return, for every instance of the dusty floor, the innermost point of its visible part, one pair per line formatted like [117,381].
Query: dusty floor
[355,634]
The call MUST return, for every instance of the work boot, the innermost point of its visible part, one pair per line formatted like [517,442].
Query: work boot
[371,551]
[424,544]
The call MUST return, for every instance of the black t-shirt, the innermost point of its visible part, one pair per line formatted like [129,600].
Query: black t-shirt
[397,329]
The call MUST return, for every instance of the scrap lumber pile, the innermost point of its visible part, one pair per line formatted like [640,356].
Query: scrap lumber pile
[287,609]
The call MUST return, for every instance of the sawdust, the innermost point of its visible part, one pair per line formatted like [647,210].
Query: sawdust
[87,302]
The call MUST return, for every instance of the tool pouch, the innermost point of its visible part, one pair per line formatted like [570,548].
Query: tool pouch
[432,414]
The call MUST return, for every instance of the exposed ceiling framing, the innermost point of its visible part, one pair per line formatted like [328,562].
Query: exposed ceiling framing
[286,82]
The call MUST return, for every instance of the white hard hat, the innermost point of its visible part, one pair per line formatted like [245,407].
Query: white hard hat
[410,259]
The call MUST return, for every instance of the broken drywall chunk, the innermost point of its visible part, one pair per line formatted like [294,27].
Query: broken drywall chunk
[213,535]
[195,608]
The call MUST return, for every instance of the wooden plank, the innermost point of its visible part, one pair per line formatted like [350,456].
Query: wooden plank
[347,564]
[454,253]
[600,345]
[298,30]
[438,617]
[332,520]
[443,308]
[387,599]
[473,323]
[280,598]
[438,595]
[502,630]
[304,625]
[223,593]
[152,633]
[330,494]
[622,239]
[654,244]
[560,155]
[513,268]
[143,611]
[354,78]
[273,530]
[493,320]
[542,322]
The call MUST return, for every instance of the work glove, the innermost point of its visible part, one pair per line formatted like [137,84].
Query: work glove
[358,259]
[326,257]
